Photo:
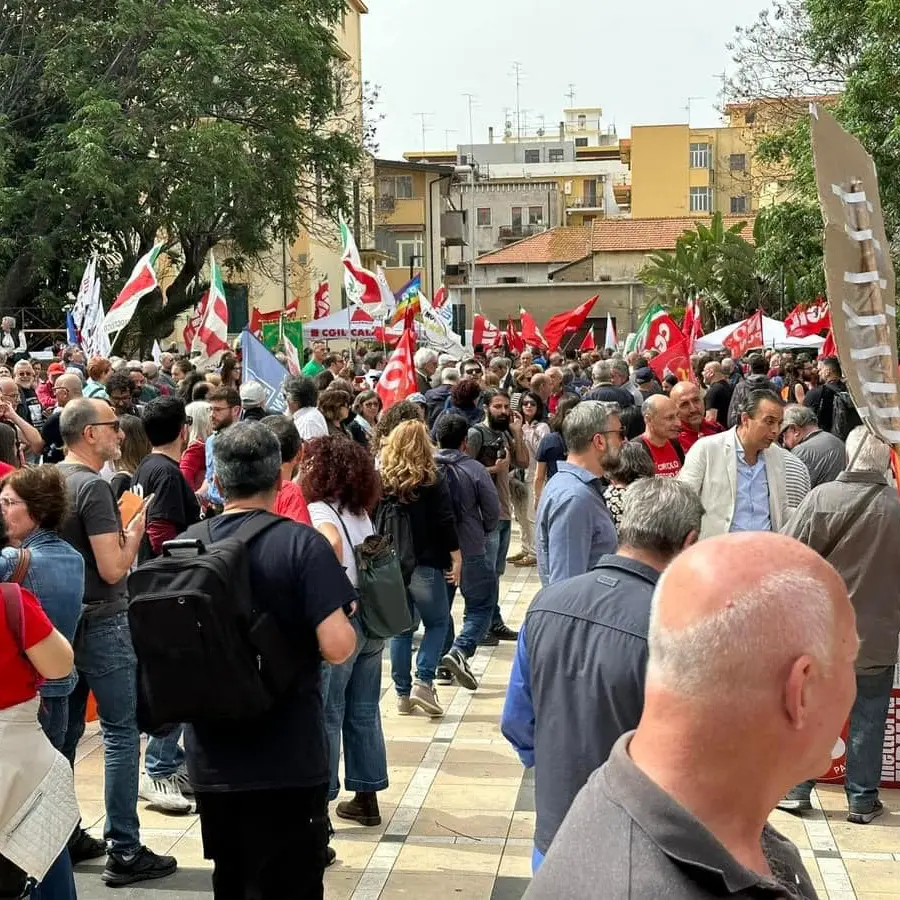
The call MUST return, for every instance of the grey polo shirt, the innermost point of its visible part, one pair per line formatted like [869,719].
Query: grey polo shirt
[626,839]
[824,454]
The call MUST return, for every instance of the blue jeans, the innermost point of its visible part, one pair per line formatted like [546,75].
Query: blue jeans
[478,585]
[351,692]
[427,592]
[107,666]
[496,548]
[53,714]
[865,743]
[59,882]
[164,756]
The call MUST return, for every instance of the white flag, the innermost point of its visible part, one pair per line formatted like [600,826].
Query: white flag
[436,333]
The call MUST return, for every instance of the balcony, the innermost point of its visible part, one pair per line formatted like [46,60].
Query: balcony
[400,210]
[518,232]
[453,228]
[592,202]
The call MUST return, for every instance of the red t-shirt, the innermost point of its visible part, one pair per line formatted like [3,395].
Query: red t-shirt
[193,464]
[665,458]
[291,503]
[18,678]
[688,438]
[5,469]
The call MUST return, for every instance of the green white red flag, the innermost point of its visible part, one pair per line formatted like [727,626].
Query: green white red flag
[211,338]
[360,284]
[141,282]
[638,341]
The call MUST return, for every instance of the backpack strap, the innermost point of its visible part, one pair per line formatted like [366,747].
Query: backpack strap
[12,607]
[340,519]
[679,452]
[21,569]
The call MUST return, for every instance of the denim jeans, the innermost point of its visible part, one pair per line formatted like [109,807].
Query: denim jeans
[351,692]
[107,666]
[478,585]
[496,548]
[59,882]
[53,715]
[865,744]
[164,756]
[428,593]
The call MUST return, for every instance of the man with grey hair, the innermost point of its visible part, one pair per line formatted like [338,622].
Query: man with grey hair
[735,674]
[243,777]
[854,522]
[500,366]
[601,619]
[604,390]
[621,377]
[573,526]
[426,363]
[437,398]
[824,453]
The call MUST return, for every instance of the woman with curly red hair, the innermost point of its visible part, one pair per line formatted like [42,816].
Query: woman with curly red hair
[340,486]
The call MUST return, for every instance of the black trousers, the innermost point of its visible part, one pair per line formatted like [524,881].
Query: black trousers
[266,845]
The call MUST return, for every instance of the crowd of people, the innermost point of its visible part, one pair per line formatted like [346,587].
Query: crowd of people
[611,476]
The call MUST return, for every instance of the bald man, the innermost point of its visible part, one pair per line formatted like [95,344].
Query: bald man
[660,437]
[689,406]
[718,393]
[65,389]
[735,676]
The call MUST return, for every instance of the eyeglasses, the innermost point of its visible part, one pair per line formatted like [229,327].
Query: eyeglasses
[115,425]
[472,372]
[7,502]
[619,431]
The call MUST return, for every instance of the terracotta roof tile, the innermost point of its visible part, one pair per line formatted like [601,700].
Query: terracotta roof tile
[612,235]
[557,245]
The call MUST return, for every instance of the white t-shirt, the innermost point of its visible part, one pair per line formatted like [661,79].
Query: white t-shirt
[310,423]
[359,528]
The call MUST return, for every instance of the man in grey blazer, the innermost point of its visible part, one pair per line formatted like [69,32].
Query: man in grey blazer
[739,476]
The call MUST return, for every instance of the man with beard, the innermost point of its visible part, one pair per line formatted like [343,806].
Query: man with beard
[574,527]
[120,389]
[689,406]
[224,410]
[499,447]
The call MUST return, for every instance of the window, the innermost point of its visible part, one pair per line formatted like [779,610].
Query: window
[411,252]
[386,187]
[699,199]
[581,142]
[738,162]
[404,186]
[738,206]
[699,156]
[749,117]
[535,215]
[484,217]
[516,217]
[582,121]
[464,160]
[532,156]
[556,154]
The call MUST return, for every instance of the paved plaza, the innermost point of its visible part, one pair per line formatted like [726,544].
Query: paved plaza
[459,813]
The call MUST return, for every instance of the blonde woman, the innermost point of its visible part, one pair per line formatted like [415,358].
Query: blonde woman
[193,460]
[410,480]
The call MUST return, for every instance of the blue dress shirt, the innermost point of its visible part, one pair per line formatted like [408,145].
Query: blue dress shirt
[751,503]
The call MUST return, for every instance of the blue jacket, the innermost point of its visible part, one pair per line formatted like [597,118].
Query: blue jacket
[476,493]
[56,577]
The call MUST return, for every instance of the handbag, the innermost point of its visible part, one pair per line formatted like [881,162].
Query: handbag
[383,603]
[21,569]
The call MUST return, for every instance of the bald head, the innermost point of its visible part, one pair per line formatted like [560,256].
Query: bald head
[67,388]
[660,418]
[688,404]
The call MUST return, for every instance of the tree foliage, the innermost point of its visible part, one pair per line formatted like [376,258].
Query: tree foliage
[714,262]
[216,124]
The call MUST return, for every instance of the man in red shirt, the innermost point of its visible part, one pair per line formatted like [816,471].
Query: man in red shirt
[290,501]
[660,437]
[691,414]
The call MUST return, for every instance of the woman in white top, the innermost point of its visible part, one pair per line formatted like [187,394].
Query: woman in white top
[340,485]
[534,430]
[12,341]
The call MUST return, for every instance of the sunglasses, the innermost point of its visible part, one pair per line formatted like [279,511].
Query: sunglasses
[473,371]
[528,403]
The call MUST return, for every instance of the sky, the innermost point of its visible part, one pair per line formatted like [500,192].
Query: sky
[640,60]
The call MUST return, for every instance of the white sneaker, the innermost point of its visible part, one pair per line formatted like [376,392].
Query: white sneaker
[164,794]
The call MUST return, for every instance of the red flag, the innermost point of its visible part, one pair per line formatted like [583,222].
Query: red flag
[193,323]
[588,343]
[531,334]
[322,300]
[565,322]
[829,348]
[398,380]
[806,320]
[440,298]
[692,327]
[514,340]
[371,290]
[747,336]
[662,333]
[484,332]
[675,359]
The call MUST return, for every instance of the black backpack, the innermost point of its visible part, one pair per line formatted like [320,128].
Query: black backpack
[392,518]
[206,654]
[844,417]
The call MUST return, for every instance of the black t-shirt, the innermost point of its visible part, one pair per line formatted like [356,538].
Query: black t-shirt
[30,408]
[298,579]
[718,397]
[551,450]
[173,500]
[53,442]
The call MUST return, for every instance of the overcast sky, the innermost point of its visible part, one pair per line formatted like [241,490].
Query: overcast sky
[639,60]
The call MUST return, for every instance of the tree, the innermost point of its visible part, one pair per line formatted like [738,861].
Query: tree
[218,124]
[714,262]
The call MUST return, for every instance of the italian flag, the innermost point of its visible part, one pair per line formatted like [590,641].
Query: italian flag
[212,335]
[638,341]
[359,283]
[142,282]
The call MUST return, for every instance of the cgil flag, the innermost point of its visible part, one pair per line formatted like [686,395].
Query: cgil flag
[398,380]
[212,335]
[567,322]
[638,340]
[484,332]
[514,341]
[322,300]
[260,365]
[805,320]
[141,282]
[747,336]
[530,333]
